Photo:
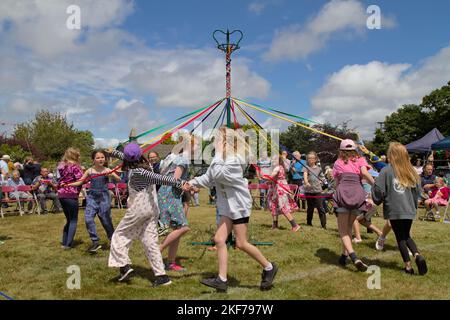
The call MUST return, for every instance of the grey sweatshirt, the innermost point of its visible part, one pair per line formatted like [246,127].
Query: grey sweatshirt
[398,202]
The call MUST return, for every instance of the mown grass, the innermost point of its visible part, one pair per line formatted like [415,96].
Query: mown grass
[33,266]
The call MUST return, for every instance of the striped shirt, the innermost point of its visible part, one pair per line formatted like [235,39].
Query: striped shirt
[140,179]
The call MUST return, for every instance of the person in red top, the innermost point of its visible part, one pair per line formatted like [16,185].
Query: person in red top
[438,197]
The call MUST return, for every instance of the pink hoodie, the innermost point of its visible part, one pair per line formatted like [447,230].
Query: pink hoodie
[69,173]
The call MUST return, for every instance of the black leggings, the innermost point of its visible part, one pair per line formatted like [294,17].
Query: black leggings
[315,203]
[401,230]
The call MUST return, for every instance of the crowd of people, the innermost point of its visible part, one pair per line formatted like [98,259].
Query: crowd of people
[160,191]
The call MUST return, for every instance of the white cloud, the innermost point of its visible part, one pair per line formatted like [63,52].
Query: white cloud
[91,74]
[40,25]
[257,7]
[368,93]
[336,18]
[106,142]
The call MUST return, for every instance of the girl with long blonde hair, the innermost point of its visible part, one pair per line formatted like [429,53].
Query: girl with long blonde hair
[398,188]
[69,171]
[234,205]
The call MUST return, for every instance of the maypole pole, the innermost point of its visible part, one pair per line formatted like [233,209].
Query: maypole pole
[228,48]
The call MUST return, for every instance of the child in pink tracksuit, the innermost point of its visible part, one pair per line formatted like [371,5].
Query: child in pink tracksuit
[438,197]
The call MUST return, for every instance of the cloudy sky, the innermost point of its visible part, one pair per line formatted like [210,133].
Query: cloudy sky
[142,63]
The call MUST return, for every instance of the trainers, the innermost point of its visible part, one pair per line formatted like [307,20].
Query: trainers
[175,267]
[379,244]
[163,280]
[215,283]
[267,277]
[409,271]
[274,225]
[421,265]
[296,228]
[94,248]
[361,266]
[343,260]
[125,272]
[357,240]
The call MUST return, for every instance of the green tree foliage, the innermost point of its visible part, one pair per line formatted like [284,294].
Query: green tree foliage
[52,134]
[16,152]
[411,122]
[305,140]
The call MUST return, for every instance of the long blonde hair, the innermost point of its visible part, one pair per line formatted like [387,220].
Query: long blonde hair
[233,142]
[71,155]
[404,172]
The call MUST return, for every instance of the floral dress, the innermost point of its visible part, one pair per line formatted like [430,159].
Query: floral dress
[278,198]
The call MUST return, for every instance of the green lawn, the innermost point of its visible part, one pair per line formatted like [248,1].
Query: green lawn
[33,266]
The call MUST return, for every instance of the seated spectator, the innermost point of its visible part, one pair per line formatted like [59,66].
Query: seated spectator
[427,181]
[31,170]
[45,188]
[438,197]
[16,181]
[4,169]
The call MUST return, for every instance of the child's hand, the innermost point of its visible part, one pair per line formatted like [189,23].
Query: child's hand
[363,149]
[186,187]
[109,150]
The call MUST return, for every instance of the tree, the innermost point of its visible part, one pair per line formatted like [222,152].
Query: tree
[437,105]
[411,122]
[18,149]
[407,124]
[52,134]
[305,140]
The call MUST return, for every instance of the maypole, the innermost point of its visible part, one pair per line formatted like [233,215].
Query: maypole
[228,48]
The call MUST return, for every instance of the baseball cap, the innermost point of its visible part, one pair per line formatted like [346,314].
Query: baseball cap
[347,144]
[132,152]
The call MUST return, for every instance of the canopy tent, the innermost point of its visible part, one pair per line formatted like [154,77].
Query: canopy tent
[423,145]
[444,144]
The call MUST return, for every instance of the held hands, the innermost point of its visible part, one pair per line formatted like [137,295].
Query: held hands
[187,187]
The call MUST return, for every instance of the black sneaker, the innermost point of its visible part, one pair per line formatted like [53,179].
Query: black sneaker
[361,266]
[125,273]
[409,271]
[163,280]
[343,260]
[421,265]
[215,283]
[267,277]
[94,248]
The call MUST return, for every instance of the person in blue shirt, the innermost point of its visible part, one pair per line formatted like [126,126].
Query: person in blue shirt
[296,168]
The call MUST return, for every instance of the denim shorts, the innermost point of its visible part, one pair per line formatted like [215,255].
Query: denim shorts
[355,212]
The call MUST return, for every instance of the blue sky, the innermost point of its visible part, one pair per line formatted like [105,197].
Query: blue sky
[142,63]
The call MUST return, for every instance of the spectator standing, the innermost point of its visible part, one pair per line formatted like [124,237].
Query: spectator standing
[265,169]
[297,165]
[31,170]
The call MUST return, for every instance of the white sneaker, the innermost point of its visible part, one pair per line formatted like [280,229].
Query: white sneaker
[379,245]
[357,240]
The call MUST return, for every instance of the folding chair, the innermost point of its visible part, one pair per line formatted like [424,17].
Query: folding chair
[122,193]
[444,218]
[113,188]
[33,200]
[6,191]
[258,187]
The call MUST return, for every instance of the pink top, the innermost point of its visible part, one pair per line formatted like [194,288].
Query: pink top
[69,173]
[352,166]
[443,190]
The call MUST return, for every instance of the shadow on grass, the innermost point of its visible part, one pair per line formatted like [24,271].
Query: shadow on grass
[269,226]
[4,238]
[330,257]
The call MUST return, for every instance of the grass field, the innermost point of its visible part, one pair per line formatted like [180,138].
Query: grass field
[33,266]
